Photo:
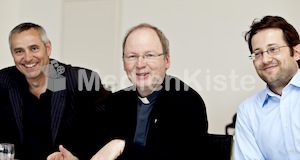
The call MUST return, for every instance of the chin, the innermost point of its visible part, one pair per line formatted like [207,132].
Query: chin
[141,85]
[33,76]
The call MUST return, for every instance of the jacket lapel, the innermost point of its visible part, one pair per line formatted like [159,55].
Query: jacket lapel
[58,103]
[16,103]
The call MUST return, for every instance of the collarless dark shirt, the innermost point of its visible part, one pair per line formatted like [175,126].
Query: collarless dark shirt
[36,125]
[144,108]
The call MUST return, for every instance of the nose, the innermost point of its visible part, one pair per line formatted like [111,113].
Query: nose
[266,58]
[28,56]
[141,62]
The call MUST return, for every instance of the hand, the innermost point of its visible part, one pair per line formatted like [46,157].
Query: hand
[64,154]
[110,151]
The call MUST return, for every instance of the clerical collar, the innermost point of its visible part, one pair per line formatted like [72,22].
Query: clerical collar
[144,100]
[150,98]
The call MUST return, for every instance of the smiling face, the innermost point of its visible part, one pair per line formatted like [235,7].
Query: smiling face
[147,75]
[29,53]
[279,69]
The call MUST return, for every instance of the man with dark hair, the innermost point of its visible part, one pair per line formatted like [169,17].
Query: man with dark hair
[42,102]
[268,123]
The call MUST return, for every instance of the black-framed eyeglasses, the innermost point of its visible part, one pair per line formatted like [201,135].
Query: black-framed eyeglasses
[272,51]
[135,57]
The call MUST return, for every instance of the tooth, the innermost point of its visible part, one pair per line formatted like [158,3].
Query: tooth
[30,65]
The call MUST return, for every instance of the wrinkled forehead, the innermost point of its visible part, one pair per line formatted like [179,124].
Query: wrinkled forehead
[25,38]
[143,39]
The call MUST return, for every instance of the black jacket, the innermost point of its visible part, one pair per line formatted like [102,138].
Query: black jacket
[72,112]
[178,125]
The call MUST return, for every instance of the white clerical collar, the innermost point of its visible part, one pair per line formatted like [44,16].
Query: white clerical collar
[144,100]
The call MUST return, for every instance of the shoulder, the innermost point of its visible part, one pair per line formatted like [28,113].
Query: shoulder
[252,103]
[122,100]
[176,93]
[7,71]
[72,72]
[9,75]
[175,87]
[126,93]
[76,78]
[68,69]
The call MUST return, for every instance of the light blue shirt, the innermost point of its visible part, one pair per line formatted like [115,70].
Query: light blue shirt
[268,125]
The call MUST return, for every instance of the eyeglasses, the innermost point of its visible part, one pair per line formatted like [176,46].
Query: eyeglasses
[272,51]
[148,57]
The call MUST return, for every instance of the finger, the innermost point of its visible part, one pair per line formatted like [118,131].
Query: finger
[54,156]
[64,151]
[61,148]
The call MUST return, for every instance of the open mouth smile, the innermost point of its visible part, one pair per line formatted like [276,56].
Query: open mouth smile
[30,65]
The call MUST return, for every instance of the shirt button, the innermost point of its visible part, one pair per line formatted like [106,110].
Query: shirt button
[283,102]
[291,149]
[286,125]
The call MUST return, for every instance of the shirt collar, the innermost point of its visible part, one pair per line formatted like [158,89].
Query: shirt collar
[295,81]
[150,98]
[144,100]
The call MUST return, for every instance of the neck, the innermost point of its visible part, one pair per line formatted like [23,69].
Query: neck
[144,92]
[278,85]
[37,86]
[277,90]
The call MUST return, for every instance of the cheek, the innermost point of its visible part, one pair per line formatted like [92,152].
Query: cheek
[256,64]
[157,67]
[128,67]
[17,59]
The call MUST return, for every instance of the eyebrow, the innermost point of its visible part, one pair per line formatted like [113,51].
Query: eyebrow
[34,46]
[31,46]
[146,52]
[17,49]
[272,44]
[269,45]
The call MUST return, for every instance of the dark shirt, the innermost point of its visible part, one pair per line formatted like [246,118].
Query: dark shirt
[144,109]
[37,125]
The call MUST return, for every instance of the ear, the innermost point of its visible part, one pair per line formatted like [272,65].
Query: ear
[297,52]
[167,59]
[124,65]
[48,48]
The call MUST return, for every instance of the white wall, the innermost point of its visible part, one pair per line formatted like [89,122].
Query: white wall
[9,13]
[47,14]
[91,34]
[43,12]
[207,47]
